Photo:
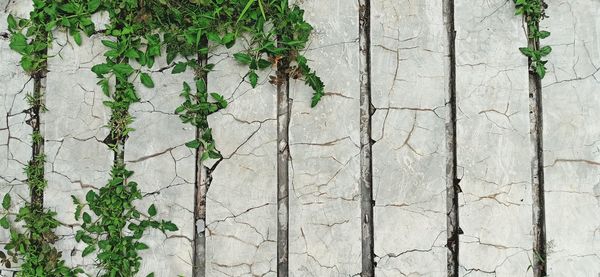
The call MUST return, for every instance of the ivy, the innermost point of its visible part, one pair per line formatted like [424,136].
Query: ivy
[274,34]
[533,11]
[115,226]
[32,245]
[112,225]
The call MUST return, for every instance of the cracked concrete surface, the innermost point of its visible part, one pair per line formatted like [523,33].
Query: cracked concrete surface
[571,141]
[494,150]
[409,75]
[409,163]
[241,218]
[324,197]
[77,159]
[15,134]
[164,169]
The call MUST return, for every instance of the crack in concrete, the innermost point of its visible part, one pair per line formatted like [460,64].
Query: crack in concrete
[366,141]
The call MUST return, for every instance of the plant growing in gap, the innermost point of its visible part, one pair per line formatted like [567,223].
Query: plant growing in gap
[34,247]
[274,32]
[114,226]
[533,11]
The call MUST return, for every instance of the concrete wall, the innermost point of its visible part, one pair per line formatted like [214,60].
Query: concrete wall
[410,71]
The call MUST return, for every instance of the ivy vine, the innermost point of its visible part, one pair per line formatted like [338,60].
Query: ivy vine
[273,32]
[533,11]
[33,243]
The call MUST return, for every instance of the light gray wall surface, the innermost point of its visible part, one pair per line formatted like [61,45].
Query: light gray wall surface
[409,72]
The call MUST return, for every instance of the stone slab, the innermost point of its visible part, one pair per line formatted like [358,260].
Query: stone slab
[324,227]
[409,163]
[572,138]
[241,215]
[493,143]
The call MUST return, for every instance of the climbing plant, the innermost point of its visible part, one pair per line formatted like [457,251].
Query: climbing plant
[533,11]
[115,226]
[273,33]
[33,243]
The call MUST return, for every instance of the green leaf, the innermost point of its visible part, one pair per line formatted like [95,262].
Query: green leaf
[205,156]
[170,226]
[220,100]
[248,5]
[105,87]
[88,250]
[90,196]
[201,86]
[242,58]
[141,246]
[110,44]
[544,34]
[540,70]
[545,51]
[179,67]
[50,26]
[12,23]
[519,11]
[93,5]
[146,80]
[228,40]
[87,218]
[262,9]
[262,63]
[193,144]
[6,201]
[77,37]
[4,222]
[123,69]
[214,37]
[18,43]
[132,54]
[527,51]
[27,63]
[101,69]
[111,54]
[78,212]
[152,210]
[316,99]
[253,77]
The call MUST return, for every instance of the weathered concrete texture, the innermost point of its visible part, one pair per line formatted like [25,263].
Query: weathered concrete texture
[572,139]
[15,134]
[409,164]
[77,159]
[324,228]
[164,169]
[494,150]
[241,217]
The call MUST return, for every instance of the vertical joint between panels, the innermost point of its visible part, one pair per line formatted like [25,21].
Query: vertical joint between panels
[283,158]
[537,169]
[366,142]
[202,183]
[452,181]
[37,147]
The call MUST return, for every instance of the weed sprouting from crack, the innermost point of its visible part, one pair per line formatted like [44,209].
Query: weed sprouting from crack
[533,12]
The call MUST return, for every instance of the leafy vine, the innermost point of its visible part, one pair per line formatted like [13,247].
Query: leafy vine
[31,38]
[533,11]
[274,33]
